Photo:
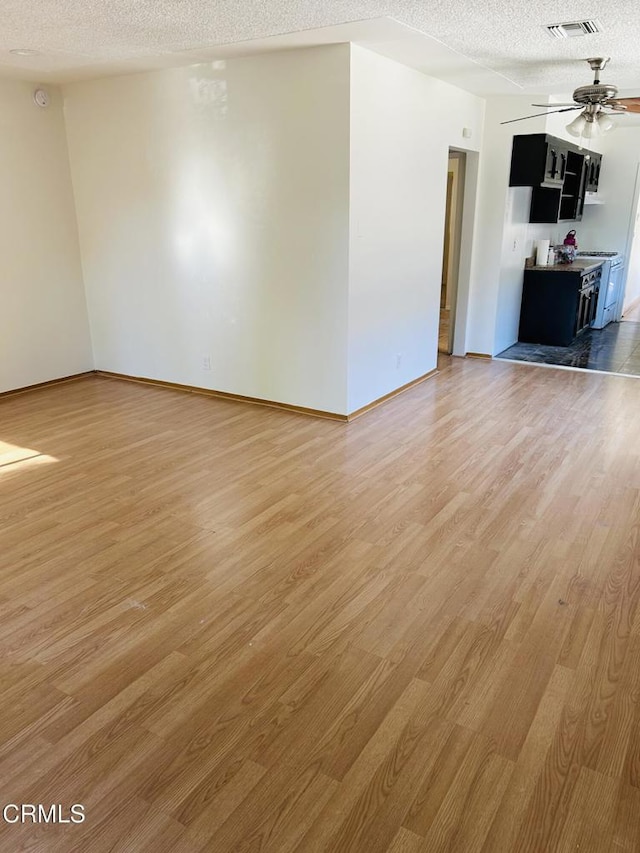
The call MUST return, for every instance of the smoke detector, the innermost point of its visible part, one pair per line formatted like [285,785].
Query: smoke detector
[41,97]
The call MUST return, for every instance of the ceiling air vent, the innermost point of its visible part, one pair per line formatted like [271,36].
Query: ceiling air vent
[573,29]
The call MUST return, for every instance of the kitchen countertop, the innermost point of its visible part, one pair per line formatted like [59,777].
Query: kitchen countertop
[579,265]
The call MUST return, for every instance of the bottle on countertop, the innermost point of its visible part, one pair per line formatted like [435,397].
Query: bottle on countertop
[570,247]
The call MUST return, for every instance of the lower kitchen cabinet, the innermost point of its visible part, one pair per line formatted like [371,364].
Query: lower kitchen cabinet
[558,303]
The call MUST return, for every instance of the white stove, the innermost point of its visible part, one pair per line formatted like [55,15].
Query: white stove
[611,294]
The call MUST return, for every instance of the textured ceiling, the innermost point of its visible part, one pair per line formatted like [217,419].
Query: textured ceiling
[88,38]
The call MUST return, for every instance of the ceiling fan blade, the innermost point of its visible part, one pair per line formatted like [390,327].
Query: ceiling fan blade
[535,115]
[632,104]
[548,106]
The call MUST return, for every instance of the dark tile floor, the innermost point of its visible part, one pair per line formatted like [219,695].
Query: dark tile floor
[614,349]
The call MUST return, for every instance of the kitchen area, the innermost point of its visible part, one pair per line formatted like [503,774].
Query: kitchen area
[572,297]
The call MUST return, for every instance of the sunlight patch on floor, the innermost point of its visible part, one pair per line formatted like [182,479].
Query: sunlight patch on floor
[13,457]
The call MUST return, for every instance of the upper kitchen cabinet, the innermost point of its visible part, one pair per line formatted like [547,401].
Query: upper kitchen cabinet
[538,160]
[559,172]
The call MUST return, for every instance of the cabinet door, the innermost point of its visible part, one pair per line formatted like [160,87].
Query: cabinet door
[587,305]
[584,179]
[593,176]
[596,179]
[554,171]
[528,160]
[549,307]
[563,163]
[545,204]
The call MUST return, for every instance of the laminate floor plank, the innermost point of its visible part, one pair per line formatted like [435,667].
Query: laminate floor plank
[626,820]
[528,768]
[230,628]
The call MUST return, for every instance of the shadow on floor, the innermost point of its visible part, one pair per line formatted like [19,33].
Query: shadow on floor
[614,349]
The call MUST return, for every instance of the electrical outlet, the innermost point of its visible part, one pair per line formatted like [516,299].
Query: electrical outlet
[398,360]
[206,362]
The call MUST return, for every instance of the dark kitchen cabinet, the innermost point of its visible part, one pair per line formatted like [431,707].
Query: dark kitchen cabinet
[558,304]
[537,160]
[545,204]
[559,173]
[594,163]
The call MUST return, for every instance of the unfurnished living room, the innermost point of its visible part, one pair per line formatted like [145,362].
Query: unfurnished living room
[276,574]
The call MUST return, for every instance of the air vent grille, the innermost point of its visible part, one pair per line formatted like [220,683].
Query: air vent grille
[573,29]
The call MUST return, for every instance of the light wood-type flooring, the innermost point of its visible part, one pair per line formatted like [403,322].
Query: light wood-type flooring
[633,314]
[443,331]
[232,628]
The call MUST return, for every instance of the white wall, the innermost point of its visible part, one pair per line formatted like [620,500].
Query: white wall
[607,225]
[213,210]
[504,237]
[236,211]
[402,125]
[44,332]
[632,276]
[609,222]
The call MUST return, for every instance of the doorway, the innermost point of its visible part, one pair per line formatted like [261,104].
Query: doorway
[456,168]
[631,302]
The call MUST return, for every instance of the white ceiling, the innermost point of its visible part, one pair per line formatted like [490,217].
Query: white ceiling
[493,46]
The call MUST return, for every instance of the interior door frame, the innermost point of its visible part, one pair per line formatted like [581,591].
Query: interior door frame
[632,236]
[460,310]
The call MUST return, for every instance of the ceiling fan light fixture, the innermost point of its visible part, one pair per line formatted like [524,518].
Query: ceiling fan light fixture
[605,123]
[576,127]
[591,129]
[590,124]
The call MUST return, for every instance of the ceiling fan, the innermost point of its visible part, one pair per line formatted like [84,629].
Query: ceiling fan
[596,103]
